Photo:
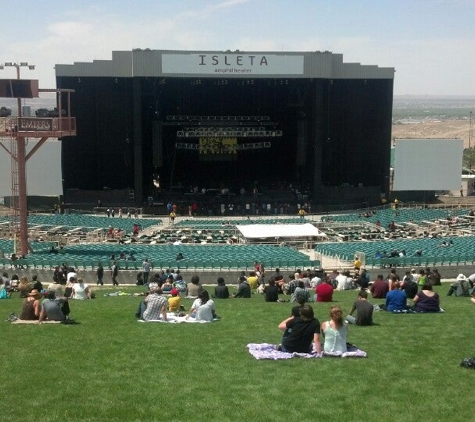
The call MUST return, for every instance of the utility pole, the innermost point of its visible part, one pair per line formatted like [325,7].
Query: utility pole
[470,142]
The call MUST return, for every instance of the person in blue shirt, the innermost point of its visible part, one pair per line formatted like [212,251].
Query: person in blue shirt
[396,299]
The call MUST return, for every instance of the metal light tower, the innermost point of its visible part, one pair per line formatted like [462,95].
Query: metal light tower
[20,209]
[17,130]
[470,142]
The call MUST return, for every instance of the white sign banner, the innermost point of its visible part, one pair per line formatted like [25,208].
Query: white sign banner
[244,64]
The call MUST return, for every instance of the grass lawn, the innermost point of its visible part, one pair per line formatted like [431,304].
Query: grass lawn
[112,368]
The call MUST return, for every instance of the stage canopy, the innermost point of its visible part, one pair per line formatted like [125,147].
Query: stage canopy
[253,231]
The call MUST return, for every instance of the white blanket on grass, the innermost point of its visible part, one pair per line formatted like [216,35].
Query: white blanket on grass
[269,351]
[172,318]
[32,321]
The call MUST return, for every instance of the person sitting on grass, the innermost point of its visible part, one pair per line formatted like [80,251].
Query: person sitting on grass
[426,299]
[154,306]
[300,291]
[31,306]
[396,299]
[24,287]
[174,301]
[295,311]
[461,287]
[203,308]
[81,290]
[221,291]
[168,285]
[379,289]
[193,288]
[36,283]
[302,333]
[335,331]
[271,291]
[180,284]
[409,286]
[324,291]
[54,308]
[253,280]
[56,288]
[364,310]
[244,290]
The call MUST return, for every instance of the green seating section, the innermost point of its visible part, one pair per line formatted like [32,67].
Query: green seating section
[403,215]
[164,256]
[213,223]
[83,221]
[461,251]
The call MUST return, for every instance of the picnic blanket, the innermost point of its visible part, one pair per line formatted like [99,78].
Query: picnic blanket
[269,351]
[413,311]
[26,321]
[172,318]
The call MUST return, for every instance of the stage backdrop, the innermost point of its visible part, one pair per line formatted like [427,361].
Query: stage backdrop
[43,176]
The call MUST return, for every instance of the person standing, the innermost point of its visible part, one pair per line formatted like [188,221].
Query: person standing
[145,270]
[100,274]
[114,273]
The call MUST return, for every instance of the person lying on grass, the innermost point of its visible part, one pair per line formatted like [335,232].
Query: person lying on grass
[302,333]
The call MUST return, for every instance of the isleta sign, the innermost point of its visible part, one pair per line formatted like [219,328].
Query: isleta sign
[231,63]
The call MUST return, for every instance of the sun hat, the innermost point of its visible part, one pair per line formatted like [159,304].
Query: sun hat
[461,277]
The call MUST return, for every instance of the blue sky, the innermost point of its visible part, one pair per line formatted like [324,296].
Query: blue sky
[430,43]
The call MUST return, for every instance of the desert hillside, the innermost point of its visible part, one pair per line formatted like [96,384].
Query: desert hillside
[435,129]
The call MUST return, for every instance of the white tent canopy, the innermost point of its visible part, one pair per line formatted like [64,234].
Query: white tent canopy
[253,231]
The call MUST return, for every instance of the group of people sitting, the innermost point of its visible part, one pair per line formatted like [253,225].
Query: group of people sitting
[157,303]
[46,302]
[302,331]
[411,293]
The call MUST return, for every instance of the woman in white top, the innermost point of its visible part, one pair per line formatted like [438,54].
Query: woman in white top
[203,308]
[335,331]
[81,290]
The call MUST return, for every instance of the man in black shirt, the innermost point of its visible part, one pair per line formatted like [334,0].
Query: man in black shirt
[301,332]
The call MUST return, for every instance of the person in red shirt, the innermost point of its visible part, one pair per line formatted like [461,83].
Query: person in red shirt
[324,291]
[379,288]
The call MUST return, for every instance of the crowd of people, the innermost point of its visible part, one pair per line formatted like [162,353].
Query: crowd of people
[47,301]
[302,332]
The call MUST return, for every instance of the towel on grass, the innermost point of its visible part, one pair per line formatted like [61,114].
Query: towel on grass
[269,351]
[171,317]
[32,321]
[413,311]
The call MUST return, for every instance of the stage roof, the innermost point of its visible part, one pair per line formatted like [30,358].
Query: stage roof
[224,64]
[253,231]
